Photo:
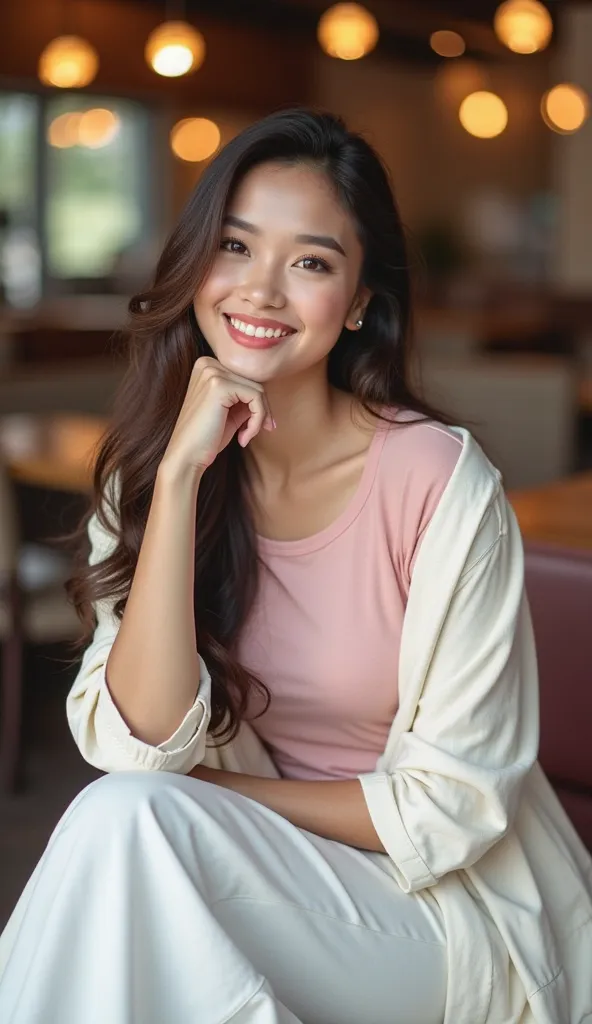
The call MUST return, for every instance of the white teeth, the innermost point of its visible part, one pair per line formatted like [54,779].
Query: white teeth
[258,332]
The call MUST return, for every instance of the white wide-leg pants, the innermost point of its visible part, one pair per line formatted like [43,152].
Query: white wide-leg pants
[160,898]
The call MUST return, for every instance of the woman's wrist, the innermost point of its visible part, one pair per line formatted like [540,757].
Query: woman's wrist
[176,490]
[173,473]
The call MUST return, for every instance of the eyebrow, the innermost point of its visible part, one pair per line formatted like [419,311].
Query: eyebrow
[326,241]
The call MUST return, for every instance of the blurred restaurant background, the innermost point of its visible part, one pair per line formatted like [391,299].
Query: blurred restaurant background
[110,110]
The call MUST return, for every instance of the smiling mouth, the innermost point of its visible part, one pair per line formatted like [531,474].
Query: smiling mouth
[259,328]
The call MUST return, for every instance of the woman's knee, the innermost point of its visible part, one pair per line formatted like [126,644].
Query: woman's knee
[119,798]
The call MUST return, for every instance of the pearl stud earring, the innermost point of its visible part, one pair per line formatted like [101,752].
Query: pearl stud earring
[359,323]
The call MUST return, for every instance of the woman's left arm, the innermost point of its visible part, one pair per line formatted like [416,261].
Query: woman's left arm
[334,809]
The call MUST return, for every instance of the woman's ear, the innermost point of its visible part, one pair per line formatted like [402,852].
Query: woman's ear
[355,317]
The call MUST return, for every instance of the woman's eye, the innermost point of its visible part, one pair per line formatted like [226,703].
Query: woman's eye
[314,263]
[233,245]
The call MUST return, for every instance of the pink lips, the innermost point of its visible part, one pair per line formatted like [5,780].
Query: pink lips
[249,340]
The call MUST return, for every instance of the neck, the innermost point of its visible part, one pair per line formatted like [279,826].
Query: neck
[309,413]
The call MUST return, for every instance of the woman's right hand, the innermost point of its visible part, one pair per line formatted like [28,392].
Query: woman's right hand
[217,405]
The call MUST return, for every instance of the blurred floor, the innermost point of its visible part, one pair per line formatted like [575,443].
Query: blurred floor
[55,773]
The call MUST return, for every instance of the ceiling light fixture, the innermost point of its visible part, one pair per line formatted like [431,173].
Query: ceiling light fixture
[347,31]
[524,26]
[447,43]
[175,47]
[68,61]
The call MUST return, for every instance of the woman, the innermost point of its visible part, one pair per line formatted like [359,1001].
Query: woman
[332,813]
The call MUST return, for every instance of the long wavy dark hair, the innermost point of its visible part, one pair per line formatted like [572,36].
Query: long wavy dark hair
[164,342]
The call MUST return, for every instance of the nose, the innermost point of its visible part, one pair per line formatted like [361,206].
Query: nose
[261,287]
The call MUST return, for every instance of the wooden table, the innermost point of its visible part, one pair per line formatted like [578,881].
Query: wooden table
[55,452]
[557,513]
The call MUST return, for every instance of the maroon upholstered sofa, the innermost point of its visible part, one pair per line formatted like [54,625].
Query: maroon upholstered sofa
[559,587]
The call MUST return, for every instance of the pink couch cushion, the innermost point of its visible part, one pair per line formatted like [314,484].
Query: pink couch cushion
[559,587]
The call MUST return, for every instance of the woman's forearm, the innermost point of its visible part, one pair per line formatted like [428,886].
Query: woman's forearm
[336,810]
[153,667]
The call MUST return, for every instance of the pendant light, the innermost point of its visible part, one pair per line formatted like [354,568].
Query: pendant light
[68,61]
[524,26]
[565,108]
[175,47]
[447,44]
[483,114]
[195,139]
[347,31]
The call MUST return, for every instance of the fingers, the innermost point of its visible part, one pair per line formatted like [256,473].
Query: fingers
[254,424]
[264,418]
[260,411]
[258,415]
[268,420]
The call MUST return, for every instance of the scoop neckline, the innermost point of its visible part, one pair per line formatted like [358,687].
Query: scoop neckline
[316,541]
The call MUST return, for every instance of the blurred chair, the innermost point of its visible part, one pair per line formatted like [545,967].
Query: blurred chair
[522,409]
[33,609]
[559,587]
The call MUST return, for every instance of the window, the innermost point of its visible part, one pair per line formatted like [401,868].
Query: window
[74,190]
[20,263]
[95,205]
[17,144]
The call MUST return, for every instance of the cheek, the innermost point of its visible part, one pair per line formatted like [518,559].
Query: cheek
[215,288]
[325,306]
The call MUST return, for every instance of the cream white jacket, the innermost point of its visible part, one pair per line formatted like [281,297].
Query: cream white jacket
[457,796]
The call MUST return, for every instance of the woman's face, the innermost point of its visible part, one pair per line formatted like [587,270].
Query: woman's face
[285,280]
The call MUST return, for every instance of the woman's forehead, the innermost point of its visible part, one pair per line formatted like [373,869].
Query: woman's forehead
[301,195]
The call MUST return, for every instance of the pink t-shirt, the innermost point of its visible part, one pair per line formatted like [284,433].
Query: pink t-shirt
[325,631]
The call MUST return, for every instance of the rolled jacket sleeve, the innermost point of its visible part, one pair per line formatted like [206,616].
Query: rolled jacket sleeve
[101,734]
[452,784]
[105,740]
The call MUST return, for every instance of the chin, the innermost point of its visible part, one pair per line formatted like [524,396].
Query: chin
[254,365]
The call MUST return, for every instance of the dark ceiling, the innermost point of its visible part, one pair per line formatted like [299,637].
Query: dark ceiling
[405,25]
[387,11]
